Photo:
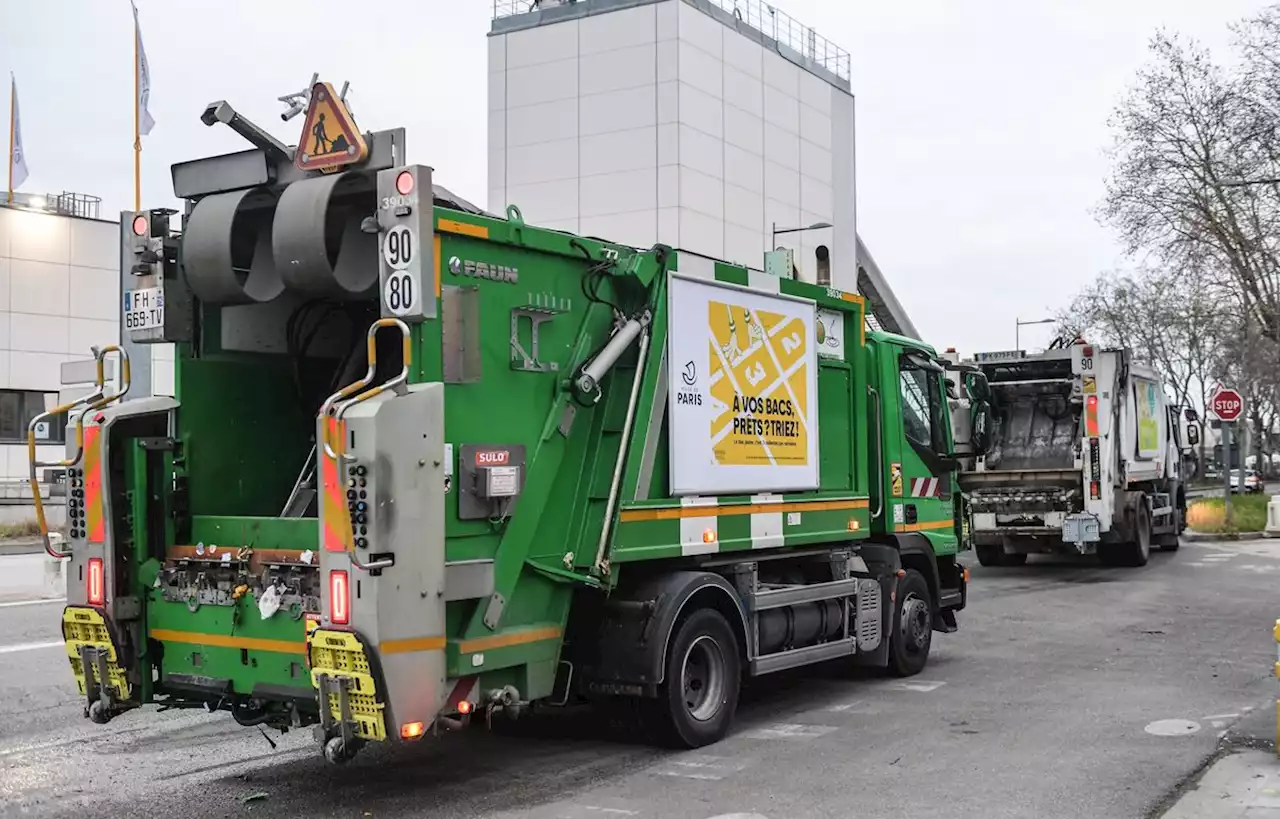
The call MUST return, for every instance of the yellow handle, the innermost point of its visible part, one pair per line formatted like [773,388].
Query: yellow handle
[354,388]
[93,401]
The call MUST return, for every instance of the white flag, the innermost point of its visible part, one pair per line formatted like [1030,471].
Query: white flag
[145,122]
[17,157]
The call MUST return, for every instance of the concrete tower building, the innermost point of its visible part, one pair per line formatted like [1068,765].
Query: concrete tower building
[701,124]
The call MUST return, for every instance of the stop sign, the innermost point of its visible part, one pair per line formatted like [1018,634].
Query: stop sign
[1226,404]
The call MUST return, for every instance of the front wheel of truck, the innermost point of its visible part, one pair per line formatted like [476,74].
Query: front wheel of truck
[699,695]
[912,633]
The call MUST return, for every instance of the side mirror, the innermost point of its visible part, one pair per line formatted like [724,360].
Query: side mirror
[1193,435]
[979,390]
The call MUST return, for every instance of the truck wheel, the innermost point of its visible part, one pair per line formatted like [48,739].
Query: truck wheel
[697,700]
[1133,553]
[912,626]
[990,555]
[98,714]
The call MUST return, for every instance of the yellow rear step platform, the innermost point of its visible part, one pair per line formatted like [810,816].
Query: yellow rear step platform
[340,670]
[89,643]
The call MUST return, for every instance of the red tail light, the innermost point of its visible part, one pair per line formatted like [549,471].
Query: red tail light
[339,598]
[1091,416]
[95,582]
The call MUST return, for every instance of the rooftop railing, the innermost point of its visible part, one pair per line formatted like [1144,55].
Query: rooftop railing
[763,17]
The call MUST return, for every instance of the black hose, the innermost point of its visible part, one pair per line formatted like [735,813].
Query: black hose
[260,717]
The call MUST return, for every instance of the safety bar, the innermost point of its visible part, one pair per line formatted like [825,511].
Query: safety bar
[93,401]
[328,407]
[336,406]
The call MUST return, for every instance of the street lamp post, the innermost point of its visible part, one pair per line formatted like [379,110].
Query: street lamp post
[773,240]
[1019,324]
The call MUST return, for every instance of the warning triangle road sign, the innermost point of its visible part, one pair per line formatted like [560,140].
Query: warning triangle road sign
[330,138]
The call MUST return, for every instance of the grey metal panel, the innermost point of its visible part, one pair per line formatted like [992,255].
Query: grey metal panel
[468,579]
[657,414]
[883,304]
[198,177]
[796,595]
[844,201]
[219,225]
[85,371]
[248,169]
[472,504]
[460,334]
[139,353]
[783,660]
[406,272]
[317,242]
[399,440]
[869,614]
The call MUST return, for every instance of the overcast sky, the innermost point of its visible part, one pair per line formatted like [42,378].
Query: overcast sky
[981,124]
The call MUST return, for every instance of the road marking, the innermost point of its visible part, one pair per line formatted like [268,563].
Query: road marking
[704,767]
[842,707]
[13,649]
[1172,727]
[785,730]
[1221,716]
[611,811]
[922,686]
[17,603]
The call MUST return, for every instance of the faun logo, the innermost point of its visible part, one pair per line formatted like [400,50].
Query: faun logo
[483,270]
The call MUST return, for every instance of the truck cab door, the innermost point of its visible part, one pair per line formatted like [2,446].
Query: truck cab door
[920,491]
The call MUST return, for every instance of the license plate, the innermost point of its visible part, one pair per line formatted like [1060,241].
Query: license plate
[143,309]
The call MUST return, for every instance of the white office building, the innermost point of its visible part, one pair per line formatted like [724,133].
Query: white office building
[700,124]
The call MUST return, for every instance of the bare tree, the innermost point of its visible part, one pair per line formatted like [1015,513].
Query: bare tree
[1187,134]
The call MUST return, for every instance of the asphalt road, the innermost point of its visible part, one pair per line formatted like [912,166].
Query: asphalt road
[1070,691]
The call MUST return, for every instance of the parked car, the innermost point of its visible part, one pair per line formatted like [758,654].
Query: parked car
[1247,481]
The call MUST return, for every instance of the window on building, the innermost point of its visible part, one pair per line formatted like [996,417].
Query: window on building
[18,407]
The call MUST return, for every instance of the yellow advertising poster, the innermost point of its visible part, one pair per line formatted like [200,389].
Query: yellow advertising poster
[759,383]
[743,369]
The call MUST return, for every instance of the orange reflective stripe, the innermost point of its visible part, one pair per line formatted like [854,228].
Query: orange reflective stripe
[336,520]
[1091,416]
[95,521]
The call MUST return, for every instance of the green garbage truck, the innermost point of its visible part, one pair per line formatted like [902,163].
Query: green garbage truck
[422,462]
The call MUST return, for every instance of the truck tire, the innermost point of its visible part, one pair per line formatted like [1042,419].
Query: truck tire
[1135,552]
[996,556]
[912,633]
[700,688]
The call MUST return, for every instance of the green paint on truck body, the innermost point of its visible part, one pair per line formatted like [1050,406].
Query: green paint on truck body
[246,418]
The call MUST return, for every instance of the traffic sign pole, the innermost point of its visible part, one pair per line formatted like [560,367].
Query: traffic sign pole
[1227,404]
[1226,472]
